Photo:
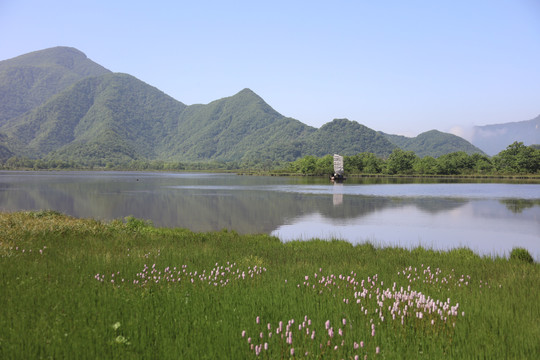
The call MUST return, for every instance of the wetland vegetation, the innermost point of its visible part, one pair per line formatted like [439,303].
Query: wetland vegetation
[126,289]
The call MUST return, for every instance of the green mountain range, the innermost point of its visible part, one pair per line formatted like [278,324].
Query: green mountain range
[58,104]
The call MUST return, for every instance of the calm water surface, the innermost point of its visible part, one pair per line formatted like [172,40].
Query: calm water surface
[489,218]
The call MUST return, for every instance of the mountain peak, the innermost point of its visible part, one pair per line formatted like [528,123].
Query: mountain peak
[31,79]
[248,96]
[61,57]
[431,132]
[248,93]
[50,56]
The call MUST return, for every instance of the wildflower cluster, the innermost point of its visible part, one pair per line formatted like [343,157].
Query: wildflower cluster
[426,275]
[305,339]
[13,250]
[381,304]
[390,307]
[219,276]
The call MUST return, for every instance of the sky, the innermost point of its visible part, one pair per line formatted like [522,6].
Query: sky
[402,67]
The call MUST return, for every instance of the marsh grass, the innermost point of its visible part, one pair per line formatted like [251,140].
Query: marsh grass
[80,288]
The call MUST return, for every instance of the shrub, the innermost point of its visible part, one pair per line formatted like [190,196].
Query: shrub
[46,213]
[464,254]
[520,254]
[137,224]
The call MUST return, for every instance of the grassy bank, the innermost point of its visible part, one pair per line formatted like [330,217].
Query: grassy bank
[79,288]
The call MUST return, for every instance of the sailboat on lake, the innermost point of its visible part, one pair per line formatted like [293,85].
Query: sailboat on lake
[338,169]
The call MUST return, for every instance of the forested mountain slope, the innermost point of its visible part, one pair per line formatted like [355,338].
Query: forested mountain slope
[233,128]
[433,143]
[30,80]
[113,116]
[348,138]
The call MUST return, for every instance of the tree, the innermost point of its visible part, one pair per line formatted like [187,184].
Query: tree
[426,166]
[305,165]
[372,164]
[518,159]
[482,164]
[363,163]
[353,164]
[400,162]
[16,162]
[325,165]
[455,163]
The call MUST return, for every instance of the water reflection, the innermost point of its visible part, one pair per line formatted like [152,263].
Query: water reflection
[482,225]
[490,218]
[518,205]
[337,198]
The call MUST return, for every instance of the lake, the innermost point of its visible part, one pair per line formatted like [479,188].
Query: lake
[490,218]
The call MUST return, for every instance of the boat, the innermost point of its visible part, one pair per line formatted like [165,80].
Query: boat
[338,174]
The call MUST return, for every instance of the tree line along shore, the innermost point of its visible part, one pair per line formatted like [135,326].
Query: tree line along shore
[515,161]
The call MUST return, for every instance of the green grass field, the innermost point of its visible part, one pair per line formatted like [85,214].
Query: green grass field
[79,288]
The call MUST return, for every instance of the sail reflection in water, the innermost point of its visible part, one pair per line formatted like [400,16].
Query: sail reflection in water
[337,199]
[488,218]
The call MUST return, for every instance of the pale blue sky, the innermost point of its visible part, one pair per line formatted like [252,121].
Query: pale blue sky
[403,67]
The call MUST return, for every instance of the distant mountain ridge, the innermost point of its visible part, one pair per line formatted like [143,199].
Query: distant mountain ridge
[433,143]
[58,104]
[495,138]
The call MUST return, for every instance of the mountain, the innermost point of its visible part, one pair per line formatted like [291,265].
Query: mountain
[233,128]
[27,81]
[433,143]
[116,117]
[56,104]
[495,138]
[348,138]
[113,116]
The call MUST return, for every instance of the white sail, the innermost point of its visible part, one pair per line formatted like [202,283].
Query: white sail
[338,164]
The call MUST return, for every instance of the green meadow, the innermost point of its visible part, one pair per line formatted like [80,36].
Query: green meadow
[86,289]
